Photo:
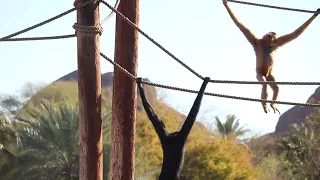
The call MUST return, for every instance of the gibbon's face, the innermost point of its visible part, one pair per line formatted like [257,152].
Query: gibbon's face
[270,38]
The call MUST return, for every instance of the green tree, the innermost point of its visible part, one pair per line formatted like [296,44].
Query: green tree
[218,159]
[302,148]
[231,128]
[50,144]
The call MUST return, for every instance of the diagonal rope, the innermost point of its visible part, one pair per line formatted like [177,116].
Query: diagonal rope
[263,82]
[39,38]
[9,37]
[151,39]
[210,94]
[39,24]
[273,7]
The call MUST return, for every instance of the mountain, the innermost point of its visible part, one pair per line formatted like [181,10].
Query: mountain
[107,82]
[151,93]
[296,114]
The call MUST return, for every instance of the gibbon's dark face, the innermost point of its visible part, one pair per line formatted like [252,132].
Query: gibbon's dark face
[270,38]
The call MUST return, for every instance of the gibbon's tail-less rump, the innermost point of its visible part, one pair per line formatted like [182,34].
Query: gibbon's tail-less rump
[173,144]
[264,49]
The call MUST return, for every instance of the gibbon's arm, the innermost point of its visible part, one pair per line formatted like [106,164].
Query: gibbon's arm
[247,33]
[157,124]
[186,127]
[282,40]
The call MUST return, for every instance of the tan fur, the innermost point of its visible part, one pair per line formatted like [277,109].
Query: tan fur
[264,49]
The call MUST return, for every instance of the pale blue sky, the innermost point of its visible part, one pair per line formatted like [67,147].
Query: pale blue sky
[200,34]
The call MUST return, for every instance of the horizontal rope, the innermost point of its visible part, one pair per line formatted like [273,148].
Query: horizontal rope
[6,38]
[38,38]
[263,82]
[210,94]
[273,7]
[231,97]
[39,24]
[151,39]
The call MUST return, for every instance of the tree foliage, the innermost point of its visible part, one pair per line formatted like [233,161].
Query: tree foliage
[47,129]
[230,129]
[302,148]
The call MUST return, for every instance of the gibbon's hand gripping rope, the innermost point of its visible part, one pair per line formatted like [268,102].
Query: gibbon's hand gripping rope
[10,38]
[210,94]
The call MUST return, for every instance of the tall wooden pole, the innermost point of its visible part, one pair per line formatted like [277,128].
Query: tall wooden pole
[124,94]
[89,86]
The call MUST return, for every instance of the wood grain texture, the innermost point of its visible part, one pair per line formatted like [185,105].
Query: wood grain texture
[89,85]
[124,94]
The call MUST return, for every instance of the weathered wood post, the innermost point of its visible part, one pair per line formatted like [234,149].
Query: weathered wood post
[124,94]
[89,86]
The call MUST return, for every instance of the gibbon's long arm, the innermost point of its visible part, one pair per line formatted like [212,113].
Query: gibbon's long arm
[282,40]
[157,123]
[186,128]
[247,33]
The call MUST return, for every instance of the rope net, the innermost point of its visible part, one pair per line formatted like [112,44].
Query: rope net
[190,69]
[210,94]
[9,38]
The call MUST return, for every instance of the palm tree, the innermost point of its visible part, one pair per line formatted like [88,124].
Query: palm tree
[50,140]
[230,129]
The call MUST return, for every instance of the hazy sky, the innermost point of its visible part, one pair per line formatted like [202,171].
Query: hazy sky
[200,34]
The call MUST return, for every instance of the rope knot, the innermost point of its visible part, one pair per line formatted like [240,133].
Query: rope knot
[88,29]
[78,4]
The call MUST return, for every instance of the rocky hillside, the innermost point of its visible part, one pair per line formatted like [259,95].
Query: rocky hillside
[296,114]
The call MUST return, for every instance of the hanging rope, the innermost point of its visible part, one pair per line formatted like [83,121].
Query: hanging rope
[273,7]
[111,13]
[210,94]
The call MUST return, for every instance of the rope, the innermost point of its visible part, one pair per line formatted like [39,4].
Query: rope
[151,39]
[206,93]
[111,13]
[77,6]
[88,29]
[263,82]
[39,38]
[131,76]
[274,7]
[39,24]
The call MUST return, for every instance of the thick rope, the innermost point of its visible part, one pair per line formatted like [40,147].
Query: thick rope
[263,82]
[273,7]
[111,13]
[38,38]
[88,29]
[39,24]
[210,94]
[131,76]
[77,6]
[151,39]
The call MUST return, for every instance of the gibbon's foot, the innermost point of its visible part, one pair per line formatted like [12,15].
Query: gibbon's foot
[274,108]
[265,108]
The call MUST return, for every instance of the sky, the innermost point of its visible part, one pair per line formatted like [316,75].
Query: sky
[200,34]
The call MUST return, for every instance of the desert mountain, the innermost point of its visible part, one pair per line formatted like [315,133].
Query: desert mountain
[296,114]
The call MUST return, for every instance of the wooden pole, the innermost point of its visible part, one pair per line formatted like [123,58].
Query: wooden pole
[124,94]
[89,86]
